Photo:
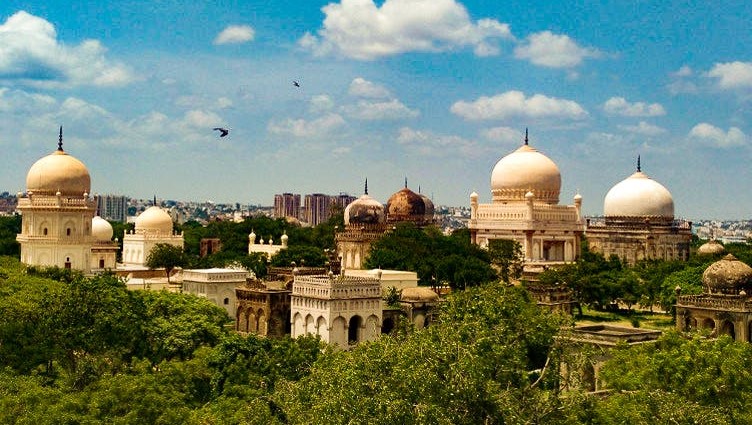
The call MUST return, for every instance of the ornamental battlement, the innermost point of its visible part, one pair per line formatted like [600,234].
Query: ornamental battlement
[716,301]
[53,201]
[336,287]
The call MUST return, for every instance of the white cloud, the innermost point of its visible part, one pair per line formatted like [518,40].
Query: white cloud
[503,135]
[514,103]
[684,71]
[363,88]
[320,103]
[620,106]
[732,75]
[553,51]
[30,54]
[224,103]
[431,144]
[644,129]
[362,30]
[388,110]
[304,128]
[19,101]
[235,34]
[202,119]
[714,136]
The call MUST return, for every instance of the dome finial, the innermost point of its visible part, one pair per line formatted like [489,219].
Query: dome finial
[405,182]
[155,200]
[638,163]
[418,188]
[526,136]
[60,140]
[366,189]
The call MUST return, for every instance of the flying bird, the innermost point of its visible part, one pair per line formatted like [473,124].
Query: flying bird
[295,83]
[222,131]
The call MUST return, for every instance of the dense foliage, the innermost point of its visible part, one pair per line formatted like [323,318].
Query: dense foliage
[436,258]
[10,226]
[601,283]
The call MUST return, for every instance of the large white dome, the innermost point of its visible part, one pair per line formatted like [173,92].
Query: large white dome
[101,229]
[154,219]
[526,170]
[638,196]
[58,172]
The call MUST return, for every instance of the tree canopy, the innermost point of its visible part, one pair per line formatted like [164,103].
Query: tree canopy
[166,256]
[436,258]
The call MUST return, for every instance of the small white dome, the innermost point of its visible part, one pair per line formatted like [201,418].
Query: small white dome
[101,229]
[638,196]
[525,170]
[154,219]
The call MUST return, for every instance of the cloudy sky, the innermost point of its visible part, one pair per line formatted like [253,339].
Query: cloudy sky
[433,90]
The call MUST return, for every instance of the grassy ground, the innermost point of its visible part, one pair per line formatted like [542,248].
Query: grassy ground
[643,319]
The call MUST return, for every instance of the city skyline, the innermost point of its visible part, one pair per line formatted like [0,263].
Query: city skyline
[386,91]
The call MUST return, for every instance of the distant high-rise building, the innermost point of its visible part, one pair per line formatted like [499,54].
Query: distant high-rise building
[317,206]
[112,207]
[287,205]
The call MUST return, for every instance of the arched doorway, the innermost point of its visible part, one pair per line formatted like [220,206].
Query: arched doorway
[387,325]
[727,328]
[353,329]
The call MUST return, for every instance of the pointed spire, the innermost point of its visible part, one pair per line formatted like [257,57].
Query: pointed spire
[155,200]
[60,140]
[405,182]
[638,163]
[366,189]
[418,188]
[526,136]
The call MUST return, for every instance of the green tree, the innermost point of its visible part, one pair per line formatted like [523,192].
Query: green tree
[506,255]
[10,226]
[479,364]
[166,256]
[310,256]
[436,258]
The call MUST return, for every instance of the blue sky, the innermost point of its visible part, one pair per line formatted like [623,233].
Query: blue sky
[433,90]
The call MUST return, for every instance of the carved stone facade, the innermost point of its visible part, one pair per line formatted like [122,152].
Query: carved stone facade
[216,285]
[638,239]
[639,223]
[341,310]
[525,208]
[57,213]
[725,307]
[263,308]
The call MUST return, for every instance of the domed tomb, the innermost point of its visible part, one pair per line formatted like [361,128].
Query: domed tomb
[727,276]
[364,210]
[58,172]
[405,205]
[522,171]
[639,196]
[419,294]
[101,229]
[154,219]
[430,210]
[711,247]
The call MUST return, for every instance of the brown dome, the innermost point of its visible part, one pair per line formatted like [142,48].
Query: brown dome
[712,247]
[405,205]
[419,294]
[727,276]
[429,206]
